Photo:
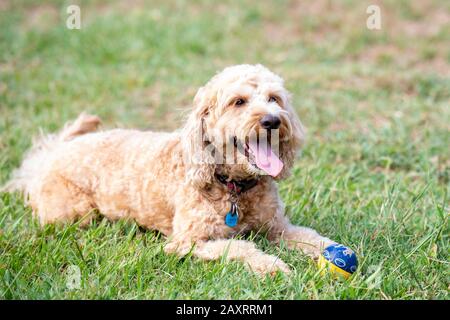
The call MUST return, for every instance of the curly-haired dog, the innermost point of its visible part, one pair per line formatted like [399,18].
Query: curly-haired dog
[178,183]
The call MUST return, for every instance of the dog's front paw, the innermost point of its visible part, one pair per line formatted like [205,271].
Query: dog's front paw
[267,264]
[179,248]
[314,251]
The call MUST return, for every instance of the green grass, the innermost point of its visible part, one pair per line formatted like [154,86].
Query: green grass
[374,175]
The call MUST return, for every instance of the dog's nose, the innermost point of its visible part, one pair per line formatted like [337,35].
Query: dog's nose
[270,121]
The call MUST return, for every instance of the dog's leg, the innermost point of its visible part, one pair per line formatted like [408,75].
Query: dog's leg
[59,201]
[230,249]
[296,237]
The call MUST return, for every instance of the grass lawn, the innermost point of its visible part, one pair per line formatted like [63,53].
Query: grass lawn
[374,174]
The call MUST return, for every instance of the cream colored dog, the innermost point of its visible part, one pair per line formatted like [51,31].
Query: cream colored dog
[182,183]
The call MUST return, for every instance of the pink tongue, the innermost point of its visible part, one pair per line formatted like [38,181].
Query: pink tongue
[266,160]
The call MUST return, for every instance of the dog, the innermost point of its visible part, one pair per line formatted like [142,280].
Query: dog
[181,183]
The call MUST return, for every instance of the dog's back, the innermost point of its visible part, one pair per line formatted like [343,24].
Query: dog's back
[69,174]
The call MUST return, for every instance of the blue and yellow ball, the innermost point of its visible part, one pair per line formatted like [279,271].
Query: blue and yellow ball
[338,260]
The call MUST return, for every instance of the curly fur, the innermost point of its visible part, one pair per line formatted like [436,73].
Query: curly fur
[166,182]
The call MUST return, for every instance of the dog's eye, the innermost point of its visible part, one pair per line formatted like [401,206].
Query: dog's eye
[273,99]
[239,102]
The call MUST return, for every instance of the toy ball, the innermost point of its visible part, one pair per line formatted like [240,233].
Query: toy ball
[339,260]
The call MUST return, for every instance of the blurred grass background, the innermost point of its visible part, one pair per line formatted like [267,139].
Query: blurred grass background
[374,174]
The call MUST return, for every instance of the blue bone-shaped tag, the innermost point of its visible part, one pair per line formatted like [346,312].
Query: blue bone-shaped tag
[231,219]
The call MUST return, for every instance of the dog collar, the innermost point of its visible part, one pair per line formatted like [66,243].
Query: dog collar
[235,188]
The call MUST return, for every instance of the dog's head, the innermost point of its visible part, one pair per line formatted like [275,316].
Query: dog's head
[242,125]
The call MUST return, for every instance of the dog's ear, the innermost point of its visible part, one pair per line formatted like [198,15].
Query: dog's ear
[198,157]
[296,140]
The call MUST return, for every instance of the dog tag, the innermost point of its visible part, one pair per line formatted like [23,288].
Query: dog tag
[232,217]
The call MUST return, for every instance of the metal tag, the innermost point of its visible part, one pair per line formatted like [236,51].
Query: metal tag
[232,217]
